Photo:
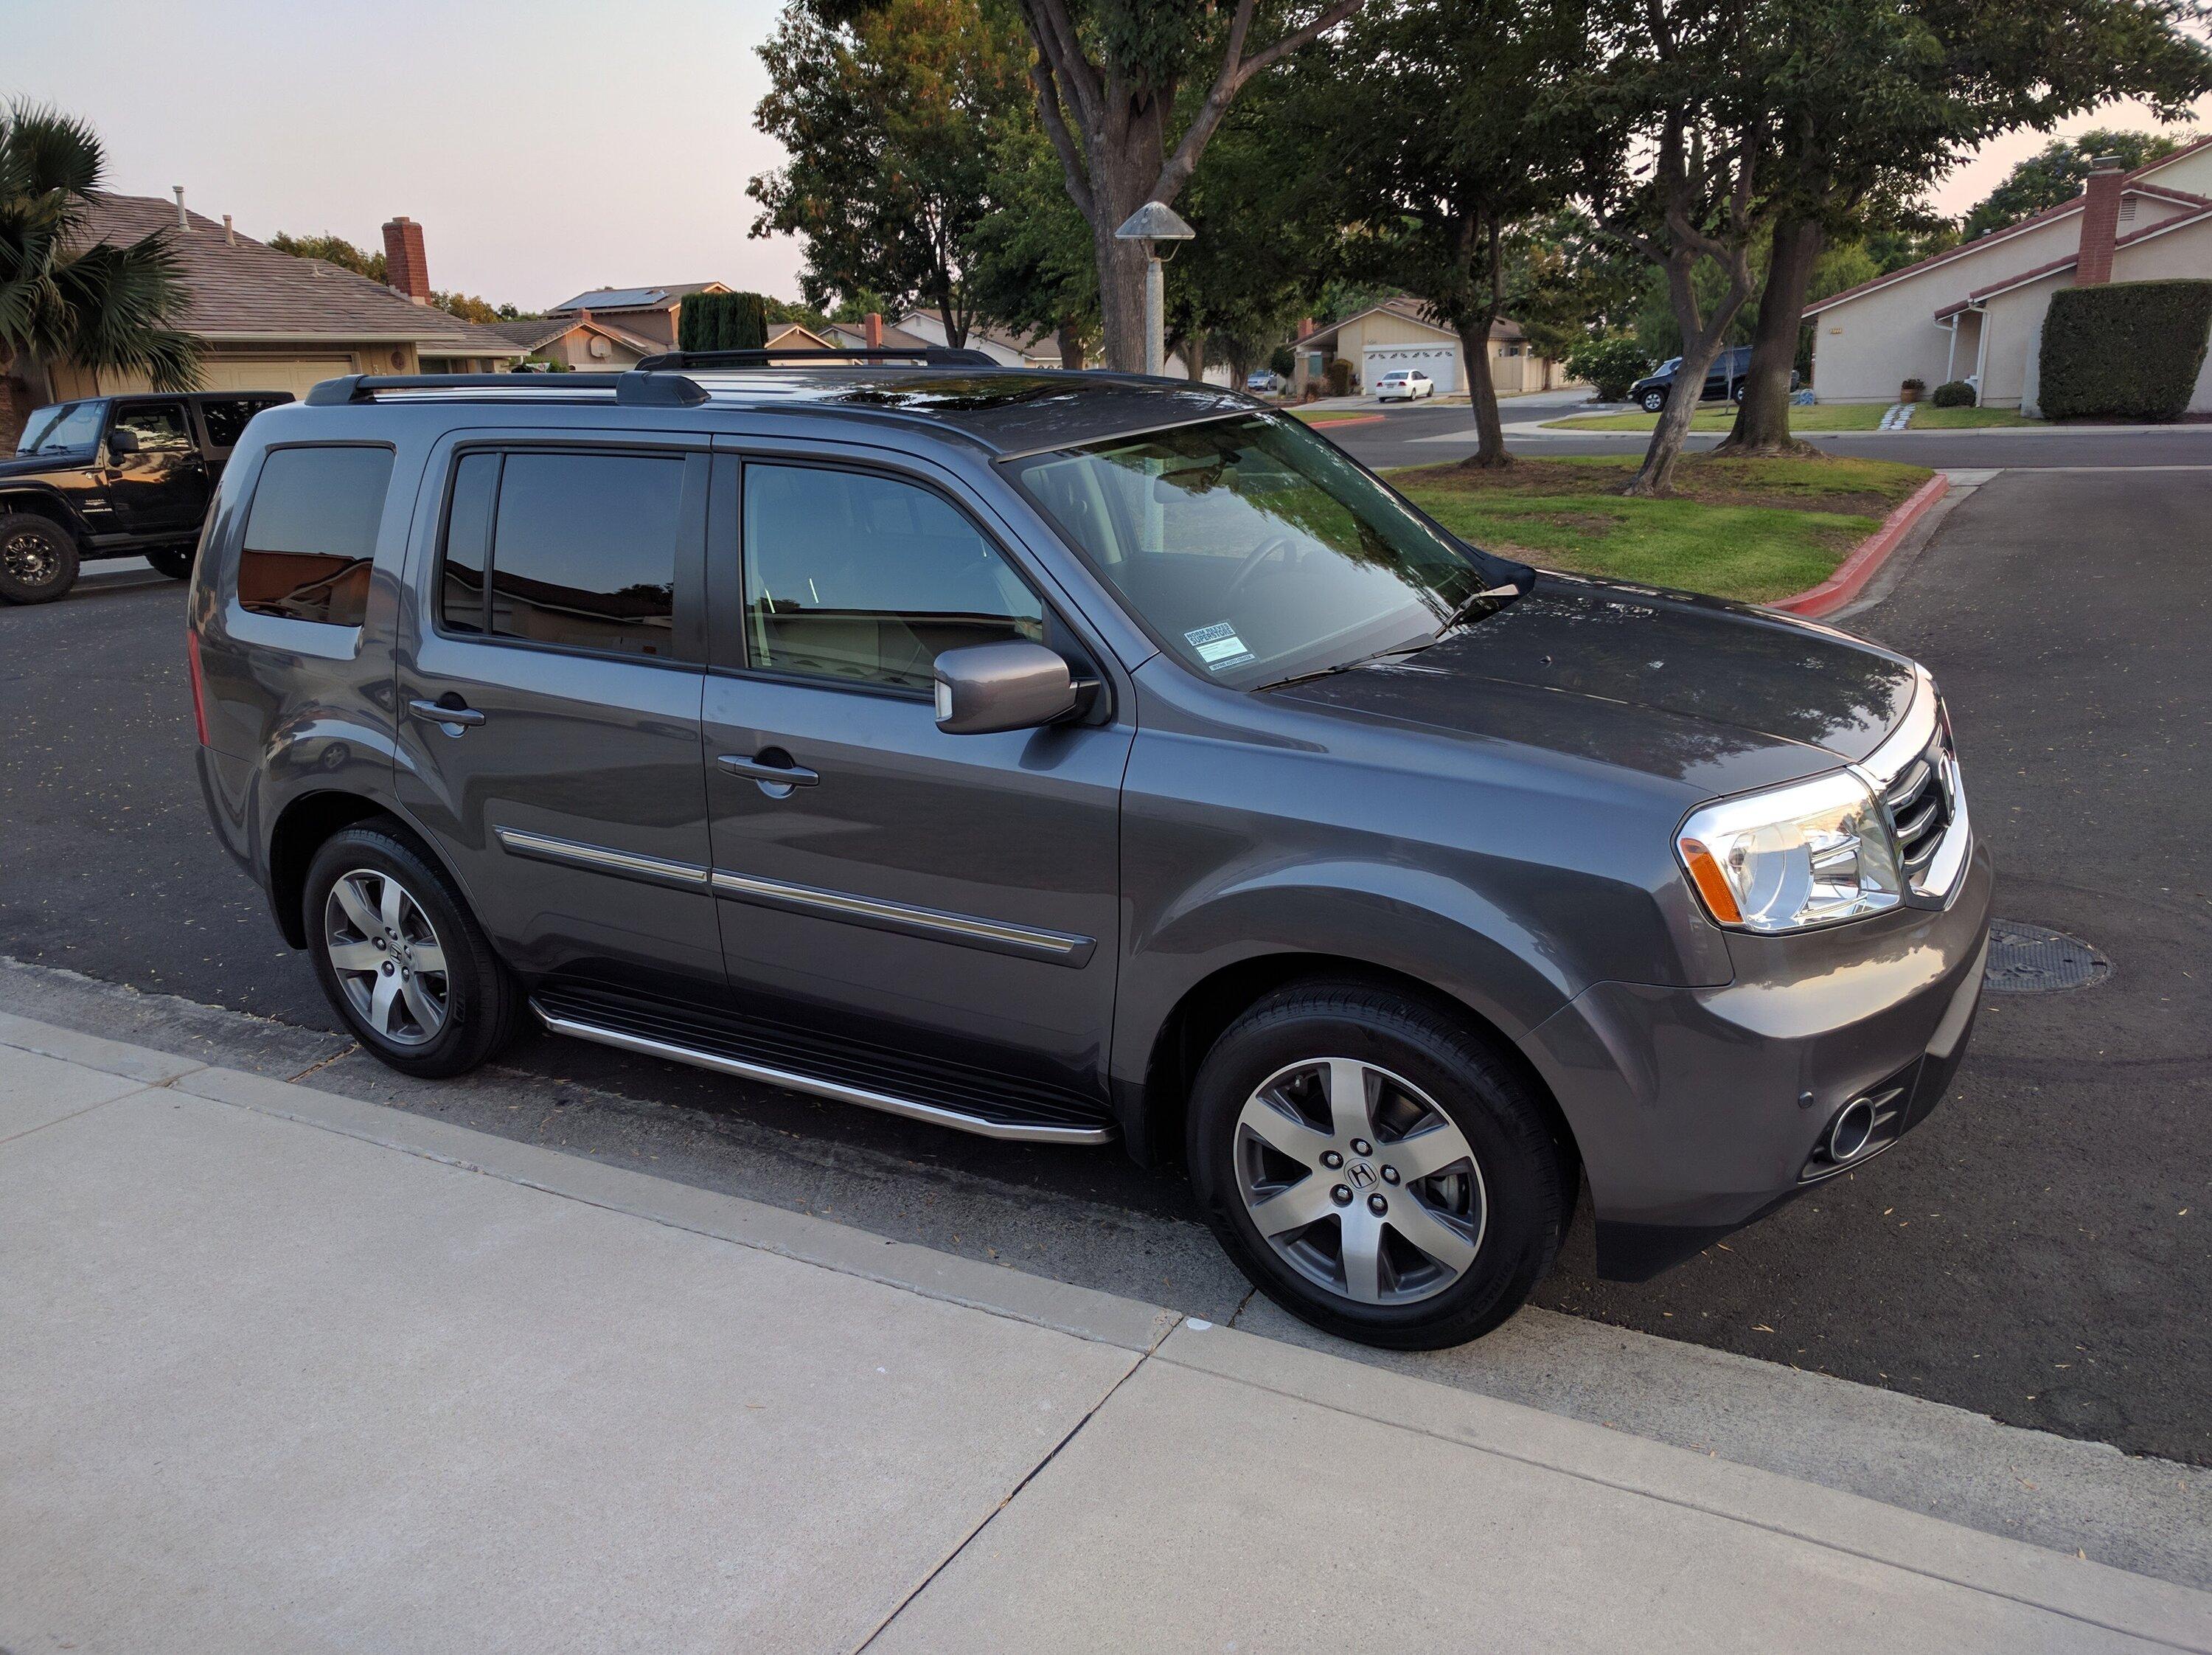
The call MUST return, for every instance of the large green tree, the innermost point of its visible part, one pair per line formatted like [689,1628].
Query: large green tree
[1109,77]
[1873,100]
[65,296]
[2055,175]
[1444,197]
[889,113]
[1030,268]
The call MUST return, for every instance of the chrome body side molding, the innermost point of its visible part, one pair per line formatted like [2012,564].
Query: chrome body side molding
[1056,947]
[600,859]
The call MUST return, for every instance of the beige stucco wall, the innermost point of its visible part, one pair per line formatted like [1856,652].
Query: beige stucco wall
[658,325]
[241,368]
[2193,173]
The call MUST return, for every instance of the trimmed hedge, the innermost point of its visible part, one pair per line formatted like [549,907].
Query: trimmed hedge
[722,321]
[2125,350]
[1953,393]
[1610,365]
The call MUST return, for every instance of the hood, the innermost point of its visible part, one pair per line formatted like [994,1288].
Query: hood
[34,465]
[1723,696]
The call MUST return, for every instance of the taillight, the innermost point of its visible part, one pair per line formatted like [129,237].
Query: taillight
[199,692]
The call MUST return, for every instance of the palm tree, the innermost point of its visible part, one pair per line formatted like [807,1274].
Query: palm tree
[64,297]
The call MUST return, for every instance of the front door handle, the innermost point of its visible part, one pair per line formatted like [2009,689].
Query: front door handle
[432,712]
[762,769]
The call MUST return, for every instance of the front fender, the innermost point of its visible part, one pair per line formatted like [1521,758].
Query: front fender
[46,501]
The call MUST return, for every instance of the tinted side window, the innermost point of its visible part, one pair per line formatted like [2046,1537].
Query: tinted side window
[461,587]
[311,532]
[868,579]
[226,417]
[159,426]
[583,550]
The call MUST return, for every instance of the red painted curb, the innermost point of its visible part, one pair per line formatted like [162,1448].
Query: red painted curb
[1867,558]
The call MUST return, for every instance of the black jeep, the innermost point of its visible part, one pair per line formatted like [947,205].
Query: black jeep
[111,476]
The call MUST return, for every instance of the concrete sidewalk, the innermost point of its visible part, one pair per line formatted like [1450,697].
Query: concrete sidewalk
[287,1371]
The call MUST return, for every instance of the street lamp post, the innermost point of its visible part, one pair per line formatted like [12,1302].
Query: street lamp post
[1152,223]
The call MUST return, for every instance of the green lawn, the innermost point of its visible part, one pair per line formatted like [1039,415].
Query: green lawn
[1331,415]
[1821,417]
[1754,529]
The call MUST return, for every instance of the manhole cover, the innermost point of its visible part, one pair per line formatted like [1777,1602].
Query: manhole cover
[2027,959]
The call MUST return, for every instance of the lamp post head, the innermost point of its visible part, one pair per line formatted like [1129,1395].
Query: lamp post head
[1155,222]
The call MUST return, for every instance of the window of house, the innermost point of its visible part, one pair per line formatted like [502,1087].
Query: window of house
[866,579]
[571,549]
[310,533]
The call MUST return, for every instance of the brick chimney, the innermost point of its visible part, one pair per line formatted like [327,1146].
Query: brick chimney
[2100,222]
[405,269]
[872,331]
[1305,327]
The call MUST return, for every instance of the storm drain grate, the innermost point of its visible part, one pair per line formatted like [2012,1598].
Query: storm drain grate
[2028,959]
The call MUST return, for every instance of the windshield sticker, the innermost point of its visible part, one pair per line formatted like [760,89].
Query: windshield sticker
[1219,646]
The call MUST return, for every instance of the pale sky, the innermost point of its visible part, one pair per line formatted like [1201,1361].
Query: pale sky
[546,147]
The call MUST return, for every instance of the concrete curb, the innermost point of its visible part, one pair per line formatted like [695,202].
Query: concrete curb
[2090,1593]
[1866,560]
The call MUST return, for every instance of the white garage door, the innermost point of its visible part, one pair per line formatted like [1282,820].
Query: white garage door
[298,375]
[1439,361]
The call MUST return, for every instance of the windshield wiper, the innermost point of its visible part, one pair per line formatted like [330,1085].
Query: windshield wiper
[1496,596]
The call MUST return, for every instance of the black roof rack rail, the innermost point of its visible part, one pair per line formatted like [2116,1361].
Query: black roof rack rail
[934,355]
[634,389]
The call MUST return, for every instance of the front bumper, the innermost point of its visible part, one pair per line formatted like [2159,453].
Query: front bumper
[1697,1110]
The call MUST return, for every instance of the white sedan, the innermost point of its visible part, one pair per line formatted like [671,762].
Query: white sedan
[1404,385]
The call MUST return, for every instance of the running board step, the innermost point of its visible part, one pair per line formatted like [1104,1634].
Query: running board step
[709,1045]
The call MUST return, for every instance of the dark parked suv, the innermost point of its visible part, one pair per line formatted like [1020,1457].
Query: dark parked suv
[1068,759]
[1724,381]
[113,476]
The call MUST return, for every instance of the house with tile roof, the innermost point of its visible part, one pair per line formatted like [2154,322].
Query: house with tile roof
[1399,333]
[274,322]
[1975,312]
[578,339]
[649,311]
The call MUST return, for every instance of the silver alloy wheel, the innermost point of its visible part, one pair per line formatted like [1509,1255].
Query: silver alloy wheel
[1359,1182]
[29,558]
[387,957]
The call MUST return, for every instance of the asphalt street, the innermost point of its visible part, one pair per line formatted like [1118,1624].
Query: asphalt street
[1431,433]
[2038,1251]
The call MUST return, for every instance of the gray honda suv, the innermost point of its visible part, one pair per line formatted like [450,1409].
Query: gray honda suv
[1073,759]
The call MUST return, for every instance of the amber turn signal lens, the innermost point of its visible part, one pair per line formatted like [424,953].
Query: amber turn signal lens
[1711,883]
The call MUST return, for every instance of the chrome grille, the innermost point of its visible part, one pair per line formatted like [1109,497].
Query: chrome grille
[1922,803]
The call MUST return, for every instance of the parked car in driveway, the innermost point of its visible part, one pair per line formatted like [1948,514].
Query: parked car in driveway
[110,476]
[1724,381]
[1265,382]
[1071,760]
[1404,385]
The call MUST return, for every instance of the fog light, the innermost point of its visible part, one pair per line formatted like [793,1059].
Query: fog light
[1848,1132]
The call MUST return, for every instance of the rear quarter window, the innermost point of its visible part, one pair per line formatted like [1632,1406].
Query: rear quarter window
[310,533]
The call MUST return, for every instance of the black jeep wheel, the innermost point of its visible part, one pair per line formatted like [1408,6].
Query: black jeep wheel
[175,562]
[37,559]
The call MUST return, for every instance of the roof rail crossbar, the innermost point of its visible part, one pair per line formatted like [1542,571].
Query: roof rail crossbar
[934,355]
[636,389]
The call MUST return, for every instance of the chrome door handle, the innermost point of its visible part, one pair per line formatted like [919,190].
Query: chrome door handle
[431,713]
[781,776]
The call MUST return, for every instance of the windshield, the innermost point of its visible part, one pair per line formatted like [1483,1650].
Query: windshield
[57,430]
[1255,551]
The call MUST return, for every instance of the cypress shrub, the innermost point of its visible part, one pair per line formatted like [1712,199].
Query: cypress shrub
[722,321]
[2127,350]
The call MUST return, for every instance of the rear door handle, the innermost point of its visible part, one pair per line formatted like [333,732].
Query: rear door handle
[783,775]
[431,712]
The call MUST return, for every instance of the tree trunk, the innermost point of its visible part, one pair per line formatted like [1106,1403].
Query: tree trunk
[1700,344]
[1194,358]
[1071,344]
[1482,394]
[956,325]
[1762,419]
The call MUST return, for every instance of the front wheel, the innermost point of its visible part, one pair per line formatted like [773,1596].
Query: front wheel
[1653,401]
[404,962]
[1374,1168]
[37,559]
[175,562]
[1736,395]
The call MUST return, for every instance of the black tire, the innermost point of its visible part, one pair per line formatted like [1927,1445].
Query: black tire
[37,559]
[175,562]
[1736,395]
[482,1001]
[1525,1198]
[1653,401]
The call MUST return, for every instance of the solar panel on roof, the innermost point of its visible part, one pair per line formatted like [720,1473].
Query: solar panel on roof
[617,298]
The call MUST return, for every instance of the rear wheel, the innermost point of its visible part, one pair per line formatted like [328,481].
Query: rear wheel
[37,559]
[1653,401]
[402,961]
[175,562]
[1374,1168]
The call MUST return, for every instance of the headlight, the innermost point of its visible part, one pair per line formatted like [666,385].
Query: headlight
[1813,853]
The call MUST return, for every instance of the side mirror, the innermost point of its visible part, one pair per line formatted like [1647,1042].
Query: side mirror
[989,687]
[121,442]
